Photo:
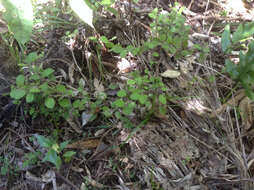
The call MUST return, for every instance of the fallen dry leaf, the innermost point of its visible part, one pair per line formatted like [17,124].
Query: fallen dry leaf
[71,73]
[98,86]
[170,74]
[246,111]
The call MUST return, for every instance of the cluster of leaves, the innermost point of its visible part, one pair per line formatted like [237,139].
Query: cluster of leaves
[169,32]
[243,72]
[45,95]
[145,94]
[53,153]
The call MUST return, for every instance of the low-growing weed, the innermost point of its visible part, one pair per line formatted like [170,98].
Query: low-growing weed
[53,153]
[168,32]
[242,72]
[46,96]
[143,96]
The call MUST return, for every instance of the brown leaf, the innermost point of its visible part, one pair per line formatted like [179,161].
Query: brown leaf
[98,86]
[246,111]
[71,73]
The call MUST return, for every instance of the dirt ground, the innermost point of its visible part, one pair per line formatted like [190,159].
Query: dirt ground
[201,144]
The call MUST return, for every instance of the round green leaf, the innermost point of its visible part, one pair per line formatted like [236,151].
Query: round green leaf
[162,99]
[135,96]
[121,93]
[17,93]
[76,104]
[47,72]
[118,103]
[131,82]
[29,98]
[44,87]
[142,99]
[20,80]
[106,111]
[50,103]
[64,102]
[60,88]
[127,110]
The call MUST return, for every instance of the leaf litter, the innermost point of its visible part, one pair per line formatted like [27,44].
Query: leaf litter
[202,143]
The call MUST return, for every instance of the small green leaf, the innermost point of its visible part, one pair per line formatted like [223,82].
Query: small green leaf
[34,89]
[135,96]
[29,98]
[50,103]
[231,68]
[155,54]
[121,93]
[153,14]
[52,157]
[113,86]
[127,110]
[44,87]
[117,48]
[153,44]
[106,111]
[162,99]
[31,57]
[243,31]
[142,99]
[20,80]
[226,39]
[63,145]
[131,82]
[60,88]
[104,39]
[43,141]
[68,155]
[34,77]
[64,103]
[17,93]
[118,103]
[123,53]
[106,2]
[118,115]
[76,104]
[47,72]
[31,111]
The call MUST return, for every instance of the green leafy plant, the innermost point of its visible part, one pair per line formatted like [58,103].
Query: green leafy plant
[143,95]
[54,150]
[168,31]
[45,95]
[242,72]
